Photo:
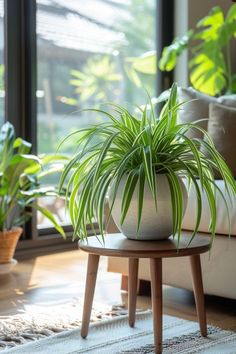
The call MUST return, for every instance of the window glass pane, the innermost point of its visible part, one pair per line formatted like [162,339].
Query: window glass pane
[2,90]
[84,59]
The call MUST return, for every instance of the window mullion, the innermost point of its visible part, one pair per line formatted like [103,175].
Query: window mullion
[20,75]
[20,62]
[164,36]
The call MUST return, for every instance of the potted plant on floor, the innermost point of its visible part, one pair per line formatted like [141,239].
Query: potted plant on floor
[140,162]
[20,174]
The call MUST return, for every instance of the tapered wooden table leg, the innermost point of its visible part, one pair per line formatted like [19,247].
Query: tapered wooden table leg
[156,286]
[93,261]
[132,289]
[198,292]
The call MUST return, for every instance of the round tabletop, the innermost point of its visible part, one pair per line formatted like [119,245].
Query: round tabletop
[117,245]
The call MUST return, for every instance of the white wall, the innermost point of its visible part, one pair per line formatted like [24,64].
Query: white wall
[181,27]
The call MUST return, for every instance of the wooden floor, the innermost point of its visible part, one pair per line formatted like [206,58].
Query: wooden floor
[45,280]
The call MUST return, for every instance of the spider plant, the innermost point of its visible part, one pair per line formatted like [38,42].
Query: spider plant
[139,147]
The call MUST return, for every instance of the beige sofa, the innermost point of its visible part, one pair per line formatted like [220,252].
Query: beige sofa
[218,267]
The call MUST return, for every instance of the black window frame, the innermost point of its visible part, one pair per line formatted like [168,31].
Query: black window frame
[20,53]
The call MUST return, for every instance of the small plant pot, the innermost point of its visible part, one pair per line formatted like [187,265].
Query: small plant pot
[156,223]
[8,242]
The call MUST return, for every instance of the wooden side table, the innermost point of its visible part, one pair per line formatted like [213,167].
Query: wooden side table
[117,245]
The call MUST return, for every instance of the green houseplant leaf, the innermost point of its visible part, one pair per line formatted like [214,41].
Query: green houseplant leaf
[139,147]
[171,53]
[210,64]
[20,175]
[209,43]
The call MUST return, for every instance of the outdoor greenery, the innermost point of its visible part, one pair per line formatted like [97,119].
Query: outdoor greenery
[20,180]
[138,27]
[109,77]
[140,38]
[138,67]
[95,82]
[70,80]
[139,147]
[210,45]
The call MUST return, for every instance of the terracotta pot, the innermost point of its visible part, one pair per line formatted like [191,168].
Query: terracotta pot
[155,224]
[8,242]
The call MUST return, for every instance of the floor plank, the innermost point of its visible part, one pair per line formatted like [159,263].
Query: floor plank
[45,280]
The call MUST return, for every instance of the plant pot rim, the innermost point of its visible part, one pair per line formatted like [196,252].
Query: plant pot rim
[14,229]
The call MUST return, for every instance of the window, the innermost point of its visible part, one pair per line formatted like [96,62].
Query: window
[62,56]
[84,53]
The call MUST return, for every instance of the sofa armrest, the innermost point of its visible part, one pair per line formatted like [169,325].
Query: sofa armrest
[222,226]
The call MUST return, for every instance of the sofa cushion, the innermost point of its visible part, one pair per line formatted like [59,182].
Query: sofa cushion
[222,226]
[198,107]
[222,129]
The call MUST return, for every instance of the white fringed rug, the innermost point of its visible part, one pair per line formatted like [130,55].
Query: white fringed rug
[37,322]
[115,336]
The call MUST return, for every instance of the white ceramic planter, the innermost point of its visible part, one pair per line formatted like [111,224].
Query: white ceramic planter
[155,224]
